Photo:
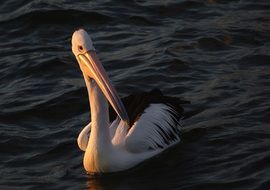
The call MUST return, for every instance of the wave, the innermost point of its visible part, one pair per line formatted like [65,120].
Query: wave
[37,17]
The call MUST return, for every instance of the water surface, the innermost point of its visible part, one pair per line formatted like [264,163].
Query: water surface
[214,53]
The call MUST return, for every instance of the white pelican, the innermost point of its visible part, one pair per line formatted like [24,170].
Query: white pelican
[150,126]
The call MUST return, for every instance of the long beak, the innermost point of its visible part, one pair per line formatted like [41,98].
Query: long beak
[92,67]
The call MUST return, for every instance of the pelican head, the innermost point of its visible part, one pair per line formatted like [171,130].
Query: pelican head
[84,51]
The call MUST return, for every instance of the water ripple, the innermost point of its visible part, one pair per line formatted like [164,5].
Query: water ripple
[213,53]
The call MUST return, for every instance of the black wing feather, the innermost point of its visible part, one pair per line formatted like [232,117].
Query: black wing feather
[136,103]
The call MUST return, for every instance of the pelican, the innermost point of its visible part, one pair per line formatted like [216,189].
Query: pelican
[145,125]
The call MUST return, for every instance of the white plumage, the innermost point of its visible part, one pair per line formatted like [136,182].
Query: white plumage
[148,136]
[150,132]
[116,146]
[153,130]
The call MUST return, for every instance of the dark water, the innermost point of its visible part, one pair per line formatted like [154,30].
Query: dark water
[215,53]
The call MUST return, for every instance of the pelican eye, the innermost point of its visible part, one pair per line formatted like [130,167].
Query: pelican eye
[80,48]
